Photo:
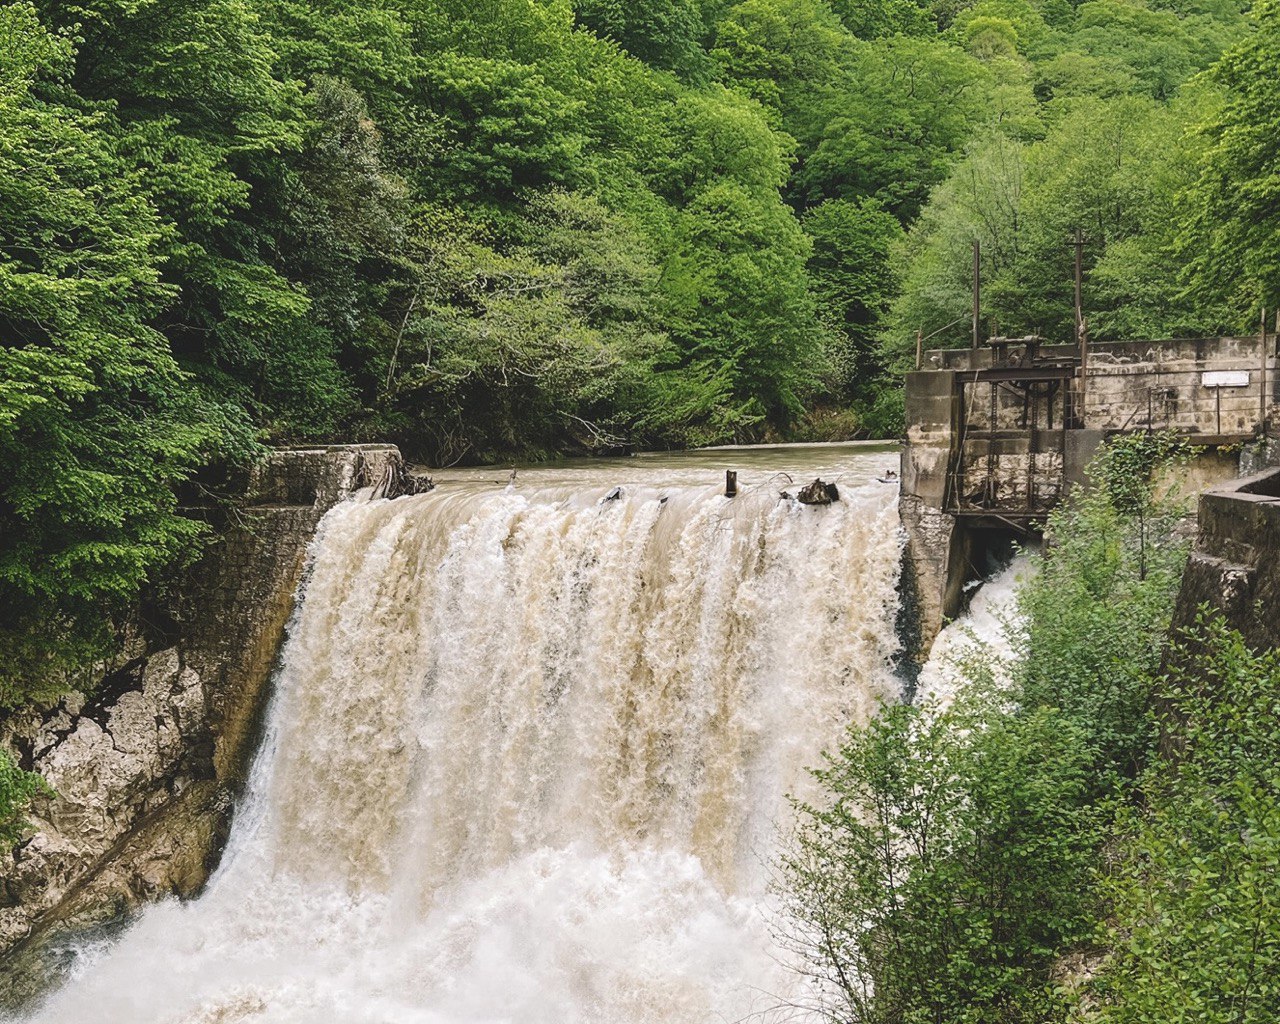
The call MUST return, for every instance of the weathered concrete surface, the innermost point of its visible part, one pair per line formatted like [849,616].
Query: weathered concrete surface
[1135,384]
[984,453]
[1235,566]
[147,766]
[923,471]
[930,436]
[935,556]
[1263,454]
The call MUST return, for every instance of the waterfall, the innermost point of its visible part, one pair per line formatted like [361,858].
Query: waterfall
[529,757]
[988,626]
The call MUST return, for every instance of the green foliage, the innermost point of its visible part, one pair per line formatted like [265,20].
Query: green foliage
[912,104]
[954,859]
[549,333]
[17,789]
[854,284]
[1095,121]
[1100,605]
[1113,168]
[526,228]
[950,865]
[97,423]
[1229,238]
[1195,882]
[663,33]
[886,415]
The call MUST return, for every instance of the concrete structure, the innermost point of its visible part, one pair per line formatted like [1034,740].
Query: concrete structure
[1235,566]
[997,436]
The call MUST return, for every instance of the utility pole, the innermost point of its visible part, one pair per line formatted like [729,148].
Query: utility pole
[919,346]
[1262,375]
[1082,339]
[977,288]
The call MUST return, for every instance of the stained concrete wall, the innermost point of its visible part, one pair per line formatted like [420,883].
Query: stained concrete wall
[1135,384]
[147,763]
[1235,565]
[943,549]
[1123,375]
[930,530]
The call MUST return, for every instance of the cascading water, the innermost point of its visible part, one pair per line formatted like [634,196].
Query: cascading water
[529,755]
[988,627]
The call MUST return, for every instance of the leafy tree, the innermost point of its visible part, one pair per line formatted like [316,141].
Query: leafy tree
[950,865]
[1229,238]
[666,34]
[97,424]
[981,201]
[1099,608]
[912,105]
[953,861]
[790,55]
[868,20]
[1154,46]
[1195,883]
[542,334]
[740,302]
[200,112]
[853,282]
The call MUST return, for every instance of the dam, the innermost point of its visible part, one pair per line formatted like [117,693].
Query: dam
[530,753]
[997,435]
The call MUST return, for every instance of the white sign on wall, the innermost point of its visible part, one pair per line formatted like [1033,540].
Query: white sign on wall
[1225,378]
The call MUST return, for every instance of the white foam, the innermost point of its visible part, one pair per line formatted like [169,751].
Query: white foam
[988,628]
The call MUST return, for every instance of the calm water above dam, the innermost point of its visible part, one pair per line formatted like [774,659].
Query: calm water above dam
[529,753]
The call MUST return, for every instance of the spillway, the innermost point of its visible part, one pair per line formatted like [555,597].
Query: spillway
[529,755]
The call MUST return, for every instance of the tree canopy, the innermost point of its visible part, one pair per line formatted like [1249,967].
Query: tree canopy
[534,227]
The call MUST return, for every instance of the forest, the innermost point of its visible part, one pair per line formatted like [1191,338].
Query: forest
[539,227]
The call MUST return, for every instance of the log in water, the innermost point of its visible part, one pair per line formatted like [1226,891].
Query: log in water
[529,754]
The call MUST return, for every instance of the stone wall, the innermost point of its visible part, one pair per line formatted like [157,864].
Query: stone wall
[1235,566]
[146,765]
[1133,384]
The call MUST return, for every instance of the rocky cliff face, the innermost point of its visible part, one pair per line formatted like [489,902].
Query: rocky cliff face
[146,765]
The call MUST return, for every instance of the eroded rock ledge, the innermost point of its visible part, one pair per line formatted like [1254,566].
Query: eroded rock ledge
[146,767]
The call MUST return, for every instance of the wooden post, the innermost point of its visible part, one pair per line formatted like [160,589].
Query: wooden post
[1079,278]
[1262,375]
[730,483]
[977,288]
[919,347]
[1031,446]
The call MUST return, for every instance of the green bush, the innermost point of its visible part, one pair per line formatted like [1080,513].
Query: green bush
[954,863]
[950,866]
[1099,608]
[17,789]
[1195,883]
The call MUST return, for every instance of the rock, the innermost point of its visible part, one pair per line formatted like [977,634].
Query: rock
[818,493]
[145,765]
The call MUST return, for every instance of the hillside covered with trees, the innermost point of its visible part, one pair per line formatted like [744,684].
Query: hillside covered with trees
[534,226]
